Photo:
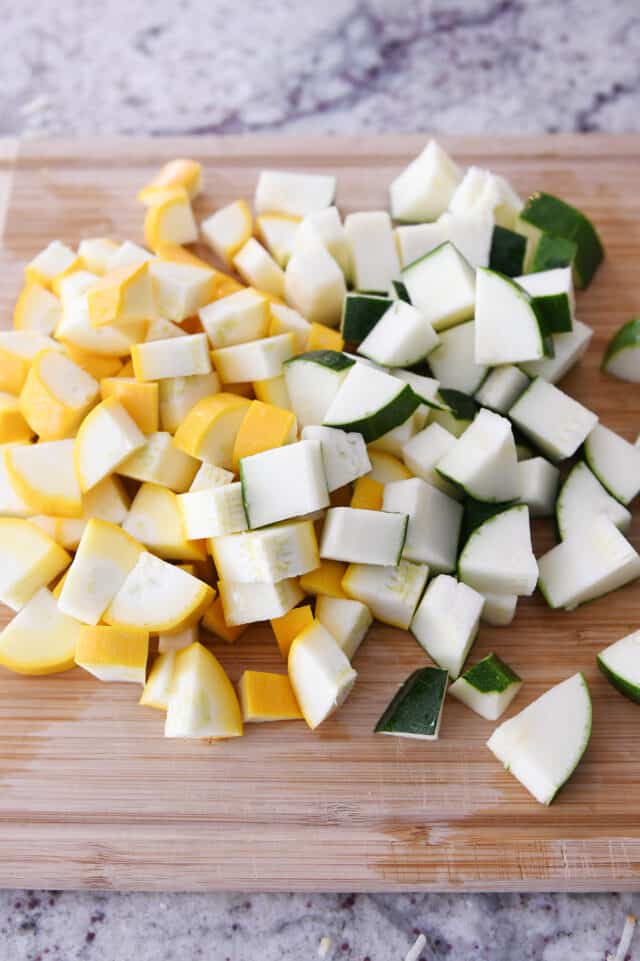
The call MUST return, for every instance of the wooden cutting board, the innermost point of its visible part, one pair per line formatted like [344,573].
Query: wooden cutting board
[91,795]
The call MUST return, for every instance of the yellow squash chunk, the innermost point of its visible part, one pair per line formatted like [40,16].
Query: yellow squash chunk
[129,254]
[97,253]
[140,399]
[29,560]
[174,357]
[202,700]
[242,389]
[236,319]
[179,395]
[177,640]
[214,622]
[121,296]
[209,476]
[287,627]
[324,338]
[245,603]
[176,173]
[17,350]
[74,285]
[106,438]
[228,229]
[105,556]
[40,639]
[127,369]
[267,697]
[386,468]
[257,268]
[170,219]
[263,427]
[13,426]
[75,328]
[274,391]
[367,494]
[161,329]
[257,360]
[158,687]
[224,285]
[177,254]
[56,396]
[161,462]
[285,320]
[113,653]
[277,232]
[326,579]
[210,429]
[43,476]
[98,366]
[156,596]
[11,504]
[37,309]
[320,673]
[212,512]
[108,501]
[53,262]
[180,290]
[155,521]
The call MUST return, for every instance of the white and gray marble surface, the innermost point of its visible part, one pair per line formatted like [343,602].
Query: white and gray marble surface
[89,67]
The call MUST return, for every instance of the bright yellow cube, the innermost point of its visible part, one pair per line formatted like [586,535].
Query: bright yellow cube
[29,560]
[97,366]
[262,428]
[158,687]
[40,639]
[267,697]
[176,173]
[287,627]
[274,391]
[113,653]
[56,396]
[13,426]
[322,337]
[209,430]
[121,296]
[213,620]
[326,579]
[367,494]
[139,398]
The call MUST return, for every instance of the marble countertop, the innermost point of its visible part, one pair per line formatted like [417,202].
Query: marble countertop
[343,66]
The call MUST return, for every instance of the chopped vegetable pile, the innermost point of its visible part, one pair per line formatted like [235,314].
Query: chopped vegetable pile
[368,418]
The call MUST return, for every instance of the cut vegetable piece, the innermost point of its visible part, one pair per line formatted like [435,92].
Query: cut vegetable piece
[209,476]
[37,309]
[177,640]
[457,413]
[213,620]
[363,537]
[107,436]
[346,620]
[507,328]
[344,455]
[180,290]
[29,560]
[545,252]
[284,482]
[615,462]
[56,395]
[267,697]
[314,285]
[390,593]
[159,461]
[322,337]
[157,596]
[285,320]
[313,380]
[210,429]
[293,194]
[424,451]
[424,188]
[325,227]
[508,250]
[471,234]
[622,355]
[320,673]
[568,348]
[40,639]
[446,622]
[257,360]
[179,395]
[18,348]
[278,233]
[552,295]
[418,240]
[113,654]
[105,556]
[453,359]
[442,286]
[182,172]
[228,229]
[502,387]
[170,220]
[401,338]
[76,329]
[416,708]
[393,441]
[274,391]
[488,687]
[373,250]
[483,191]
[582,498]
[498,557]
[385,467]
[202,702]
[543,745]
[257,267]
[267,556]
[44,477]
[434,522]
[326,579]
[140,400]
[158,686]
[236,319]
[50,264]
[555,422]
[244,602]
[620,664]
[371,402]
[361,313]
[174,357]
[263,428]
[96,253]
[499,609]
[11,504]
[591,562]
[550,215]
[538,482]
[122,295]
[483,461]
[155,521]
[212,511]
[287,627]
[128,254]
[425,388]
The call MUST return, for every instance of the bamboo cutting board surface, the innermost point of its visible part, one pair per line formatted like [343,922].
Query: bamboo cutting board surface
[92,795]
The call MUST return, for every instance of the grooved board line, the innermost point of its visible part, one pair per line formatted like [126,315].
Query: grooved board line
[92,795]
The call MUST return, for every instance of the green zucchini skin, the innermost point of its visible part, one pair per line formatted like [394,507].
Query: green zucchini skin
[627,337]
[491,675]
[387,418]
[559,219]
[508,250]
[360,314]
[552,252]
[632,691]
[416,707]
[333,359]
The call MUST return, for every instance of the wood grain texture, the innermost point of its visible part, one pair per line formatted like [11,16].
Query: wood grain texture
[91,795]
